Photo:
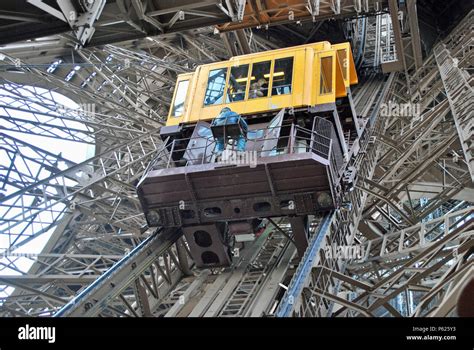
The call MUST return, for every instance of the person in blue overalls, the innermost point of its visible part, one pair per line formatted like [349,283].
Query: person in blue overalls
[227,116]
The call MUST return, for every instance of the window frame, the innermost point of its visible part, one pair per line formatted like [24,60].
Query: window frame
[229,68]
[224,94]
[332,87]
[173,107]
[270,79]
[251,63]
[292,74]
[344,63]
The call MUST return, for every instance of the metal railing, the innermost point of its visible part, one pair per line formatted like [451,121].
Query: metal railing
[289,139]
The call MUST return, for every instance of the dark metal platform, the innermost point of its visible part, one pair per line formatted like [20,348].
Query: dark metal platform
[218,192]
[297,174]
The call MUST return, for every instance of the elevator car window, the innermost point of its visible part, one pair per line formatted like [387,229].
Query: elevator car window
[260,79]
[238,80]
[325,83]
[282,75]
[215,87]
[180,98]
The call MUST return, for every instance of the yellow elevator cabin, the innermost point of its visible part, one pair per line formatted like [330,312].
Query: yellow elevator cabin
[305,75]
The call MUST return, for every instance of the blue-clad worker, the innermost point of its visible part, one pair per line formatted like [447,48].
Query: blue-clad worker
[227,116]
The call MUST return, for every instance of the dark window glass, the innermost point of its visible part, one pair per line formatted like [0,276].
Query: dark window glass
[215,87]
[238,79]
[260,79]
[282,75]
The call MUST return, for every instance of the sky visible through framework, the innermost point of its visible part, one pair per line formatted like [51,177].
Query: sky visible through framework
[71,150]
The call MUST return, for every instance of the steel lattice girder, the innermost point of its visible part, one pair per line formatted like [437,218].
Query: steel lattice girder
[106,193]
[93,204]
[105,220]
[425,252]
[116,21]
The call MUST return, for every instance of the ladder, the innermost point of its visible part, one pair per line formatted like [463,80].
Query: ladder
[254,276]
[460,93]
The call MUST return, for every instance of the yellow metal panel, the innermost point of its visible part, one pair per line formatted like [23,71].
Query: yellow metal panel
[298,79]
[306,84]
[320,46]
[352,69]
[256,105]
[340,83]
[199,112]
[348,63]
[309,81]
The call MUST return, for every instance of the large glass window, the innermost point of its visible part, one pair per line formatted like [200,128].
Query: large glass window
[282,75]
[215,87]
[260,79]
[179,99]
[325,84]
[238,80]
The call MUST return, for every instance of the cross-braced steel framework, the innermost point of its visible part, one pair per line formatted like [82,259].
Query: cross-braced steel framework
[89,208]
[411,209]
[416,224]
